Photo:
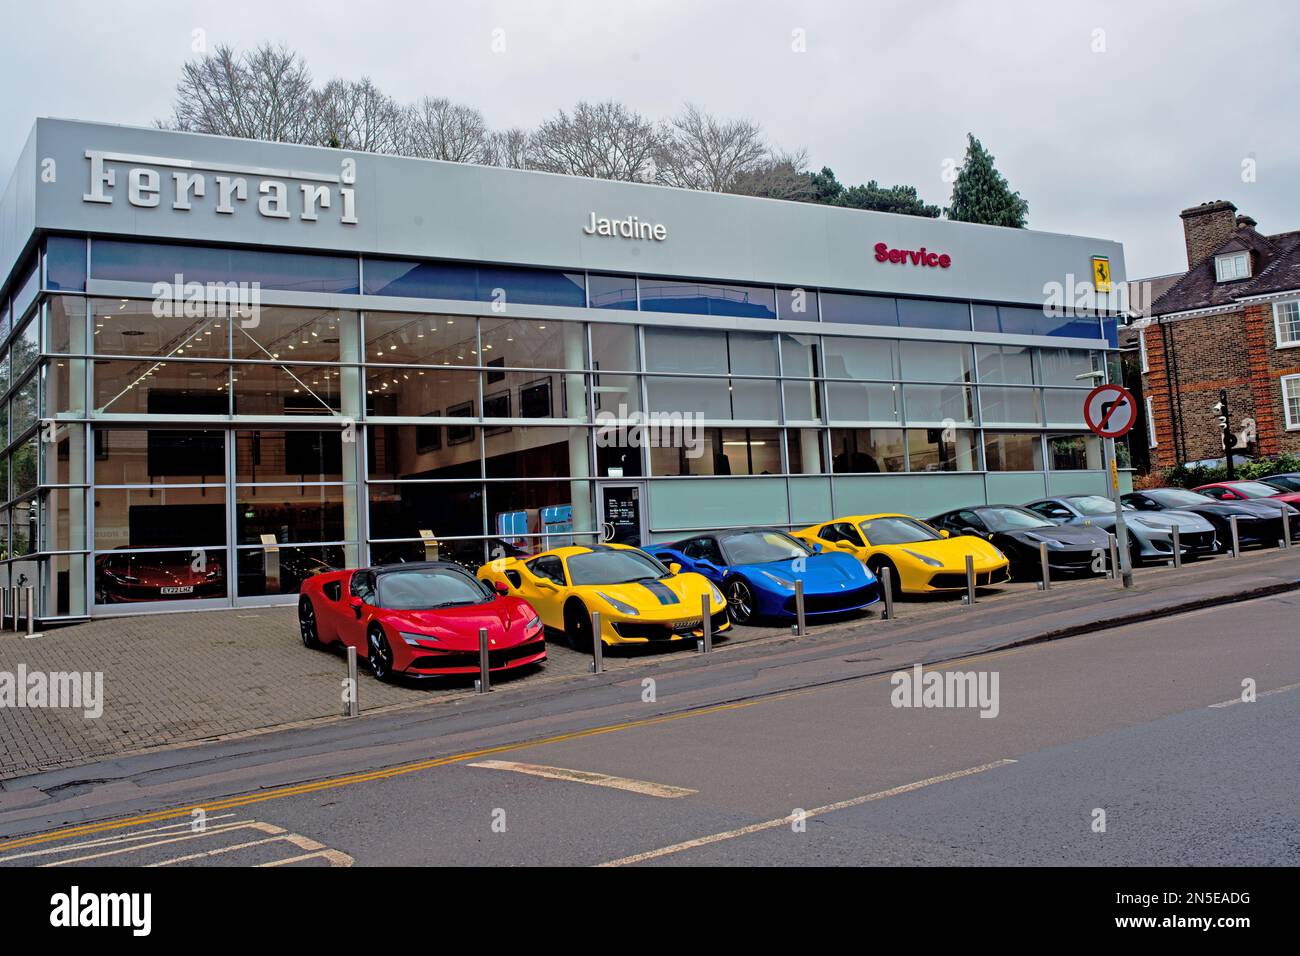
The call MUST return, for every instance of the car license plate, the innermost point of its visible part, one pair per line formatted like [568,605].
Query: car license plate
[187,589]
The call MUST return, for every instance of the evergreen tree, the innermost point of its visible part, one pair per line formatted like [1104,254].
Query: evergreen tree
[981,194]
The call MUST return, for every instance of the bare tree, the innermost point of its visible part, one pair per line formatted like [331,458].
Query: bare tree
[437,128]
[507,147]
[602,140]
[263,94]
[779,175]
[700,151]
[358,115]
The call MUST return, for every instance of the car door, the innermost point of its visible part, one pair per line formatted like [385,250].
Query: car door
[839,533]
[706,558]
[354,619]
[331,610]
[542,584]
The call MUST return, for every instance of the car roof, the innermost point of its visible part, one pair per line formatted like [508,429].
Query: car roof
[417,566]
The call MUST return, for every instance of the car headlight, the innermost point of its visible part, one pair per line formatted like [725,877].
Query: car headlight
[621,606]
[1052,543]
[534,624]
[717,595]
[412,638]
[923,558]
[780,582]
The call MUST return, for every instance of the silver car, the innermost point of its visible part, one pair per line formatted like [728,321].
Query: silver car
[1150,533]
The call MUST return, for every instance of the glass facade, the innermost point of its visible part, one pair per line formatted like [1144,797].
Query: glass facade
[168,458]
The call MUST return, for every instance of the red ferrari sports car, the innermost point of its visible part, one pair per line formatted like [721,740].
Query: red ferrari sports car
[1247,490]
[419,619]
[156,575]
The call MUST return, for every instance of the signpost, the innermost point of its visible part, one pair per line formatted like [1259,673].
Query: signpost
[1111,411]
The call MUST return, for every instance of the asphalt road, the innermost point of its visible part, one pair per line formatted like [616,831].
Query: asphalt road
[1144,723]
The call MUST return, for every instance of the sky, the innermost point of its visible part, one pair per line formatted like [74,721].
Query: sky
[1109,118]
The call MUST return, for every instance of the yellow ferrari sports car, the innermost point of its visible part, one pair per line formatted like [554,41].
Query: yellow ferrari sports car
[640,600]
[921,560]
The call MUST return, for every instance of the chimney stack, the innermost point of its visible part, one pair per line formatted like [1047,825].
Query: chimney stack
[1245,222]
[1205,227]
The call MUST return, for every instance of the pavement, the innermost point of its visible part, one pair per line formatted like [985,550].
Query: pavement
[1142,729]
[178,679]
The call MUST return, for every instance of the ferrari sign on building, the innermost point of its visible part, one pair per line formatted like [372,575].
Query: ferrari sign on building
[1110,411]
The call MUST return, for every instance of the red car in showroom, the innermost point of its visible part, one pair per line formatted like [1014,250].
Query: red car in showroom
[156,576]
[1244,490]
[419,619]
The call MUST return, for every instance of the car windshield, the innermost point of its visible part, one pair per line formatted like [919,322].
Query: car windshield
[760,547]
[1012,519]
[1284,482]
[423,589]
[1254,489]
[617,566]
[898,531]
[1093,505]
[1177,498]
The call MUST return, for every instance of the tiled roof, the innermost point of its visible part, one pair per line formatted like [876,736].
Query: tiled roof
[1276,265]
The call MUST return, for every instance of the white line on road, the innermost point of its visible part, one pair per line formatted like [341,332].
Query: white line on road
[1266,693]
[785,821]
[584,776]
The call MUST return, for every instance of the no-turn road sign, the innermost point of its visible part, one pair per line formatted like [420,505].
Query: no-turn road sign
[1110,411]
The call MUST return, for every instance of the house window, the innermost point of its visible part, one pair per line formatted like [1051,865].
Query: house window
[1151,423]
[1286,322]
[1235,265]
[1142,350]
[1291,401]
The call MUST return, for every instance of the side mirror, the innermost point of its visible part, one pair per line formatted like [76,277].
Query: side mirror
[945,533]
[501,588]
[356,604]
[546,584]
[674,568]
[814,546]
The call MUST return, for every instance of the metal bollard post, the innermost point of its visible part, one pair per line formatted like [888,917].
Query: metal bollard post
[597,645]
[1236,537]
[4,606]
[484,682]
[31,613]
[354,706]
[887,584]
[1114,557]
[800,626]
[15,607]
[970,581]
[1178,548]
[1046,583]
[1286,528]
[705,646]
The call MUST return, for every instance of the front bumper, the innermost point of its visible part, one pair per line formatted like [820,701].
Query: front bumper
[833,602]
[945,580]
[430,663]
[632,631]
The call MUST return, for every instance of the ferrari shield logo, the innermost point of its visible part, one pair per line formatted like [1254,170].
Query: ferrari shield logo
[1101,273]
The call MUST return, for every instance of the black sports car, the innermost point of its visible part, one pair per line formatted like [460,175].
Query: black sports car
[1018,533]
[1259,520]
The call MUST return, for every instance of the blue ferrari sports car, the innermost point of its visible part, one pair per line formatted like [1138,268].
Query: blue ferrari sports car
[756,568]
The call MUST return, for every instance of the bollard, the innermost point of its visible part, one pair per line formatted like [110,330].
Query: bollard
[4,606]
[1286,527]
[705,646]
[597,645]
[1114,557]
[970,581]
[1046,583]
[31,612]
[1236,537]
[354,706]
[1178,548]
[484,682]
[887,583]
[15,607]
[801,626]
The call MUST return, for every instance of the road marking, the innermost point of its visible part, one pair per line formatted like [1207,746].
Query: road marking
[269,828]
[585,776]
[818,811]
[1266,693]
[301,842]
[346,780]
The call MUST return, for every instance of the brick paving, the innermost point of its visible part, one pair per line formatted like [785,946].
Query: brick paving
[172,679]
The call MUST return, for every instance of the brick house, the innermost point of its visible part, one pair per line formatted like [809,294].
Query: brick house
[1231,321]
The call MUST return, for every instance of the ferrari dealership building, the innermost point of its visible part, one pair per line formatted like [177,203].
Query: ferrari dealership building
[228,364]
